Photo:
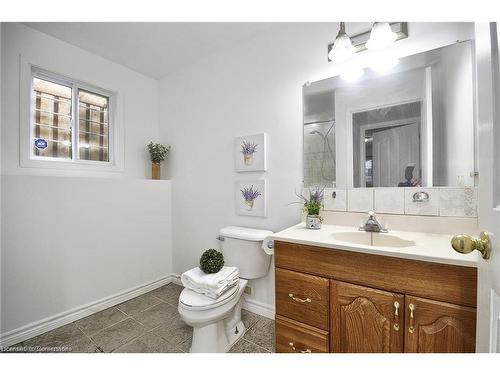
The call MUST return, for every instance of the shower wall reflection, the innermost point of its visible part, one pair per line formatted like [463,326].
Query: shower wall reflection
[319,137]
[319,154]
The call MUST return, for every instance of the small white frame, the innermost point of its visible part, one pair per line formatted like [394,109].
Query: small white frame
[257,161]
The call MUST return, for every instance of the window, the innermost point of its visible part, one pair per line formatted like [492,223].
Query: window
[70,121]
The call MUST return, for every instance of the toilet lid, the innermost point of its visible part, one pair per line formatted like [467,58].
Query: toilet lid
[199,301]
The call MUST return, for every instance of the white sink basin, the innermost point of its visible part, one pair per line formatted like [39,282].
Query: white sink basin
[358,237]
[388,240]
[372,239]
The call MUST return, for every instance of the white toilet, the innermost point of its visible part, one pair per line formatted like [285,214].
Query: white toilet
[217,323]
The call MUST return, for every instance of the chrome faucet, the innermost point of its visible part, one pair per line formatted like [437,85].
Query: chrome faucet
[372,224]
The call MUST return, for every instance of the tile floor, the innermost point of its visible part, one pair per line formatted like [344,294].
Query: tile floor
[148,323]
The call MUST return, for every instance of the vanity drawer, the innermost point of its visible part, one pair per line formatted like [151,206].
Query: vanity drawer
[302,297]
[295,337]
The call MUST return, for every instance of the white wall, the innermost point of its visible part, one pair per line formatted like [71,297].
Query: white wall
[80,241]
[256,87]
[73,239]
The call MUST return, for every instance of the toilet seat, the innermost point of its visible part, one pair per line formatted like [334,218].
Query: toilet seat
[192,300]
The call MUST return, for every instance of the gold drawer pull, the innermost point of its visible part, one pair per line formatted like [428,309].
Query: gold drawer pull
[411,328]
[297,299]
[301,351]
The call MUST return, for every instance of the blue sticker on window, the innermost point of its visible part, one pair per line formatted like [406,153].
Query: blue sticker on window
[41,143]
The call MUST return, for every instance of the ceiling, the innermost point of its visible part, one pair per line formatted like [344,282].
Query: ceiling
[153,49]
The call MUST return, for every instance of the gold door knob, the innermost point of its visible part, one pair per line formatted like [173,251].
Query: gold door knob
[465,244]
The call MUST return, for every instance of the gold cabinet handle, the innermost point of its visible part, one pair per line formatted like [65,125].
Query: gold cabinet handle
[297,299]
[295,349]
[396,308]
[465,244]
[411,328]
[396,315]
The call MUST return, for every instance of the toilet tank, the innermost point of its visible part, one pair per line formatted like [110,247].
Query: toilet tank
[242,248]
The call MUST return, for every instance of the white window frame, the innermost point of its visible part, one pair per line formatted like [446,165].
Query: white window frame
[28,158]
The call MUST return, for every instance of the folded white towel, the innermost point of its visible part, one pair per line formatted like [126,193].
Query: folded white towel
[210,284]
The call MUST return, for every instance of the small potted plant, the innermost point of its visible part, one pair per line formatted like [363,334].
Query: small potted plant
[248,149]
[312,206]
[250,195]
[157,153]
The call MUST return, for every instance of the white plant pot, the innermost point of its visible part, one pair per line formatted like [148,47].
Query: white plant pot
[313,222]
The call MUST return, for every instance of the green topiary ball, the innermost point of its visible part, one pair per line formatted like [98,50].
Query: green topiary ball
[211,261]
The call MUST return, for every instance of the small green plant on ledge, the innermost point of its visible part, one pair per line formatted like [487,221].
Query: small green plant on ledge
[158,152]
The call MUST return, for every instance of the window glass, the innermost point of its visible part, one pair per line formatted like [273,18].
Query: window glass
[51,131]
[94,126]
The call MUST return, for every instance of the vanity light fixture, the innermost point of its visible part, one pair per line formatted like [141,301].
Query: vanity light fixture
[381,36]
[359,41]
[342,49]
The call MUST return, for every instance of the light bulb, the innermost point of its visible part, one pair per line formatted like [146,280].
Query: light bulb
[381,36]
[383,62]
[342,49]
[352,74]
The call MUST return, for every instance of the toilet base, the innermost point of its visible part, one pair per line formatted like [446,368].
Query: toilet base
[216,337]
[216,330]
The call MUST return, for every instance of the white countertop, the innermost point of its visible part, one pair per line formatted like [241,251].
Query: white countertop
[410,245]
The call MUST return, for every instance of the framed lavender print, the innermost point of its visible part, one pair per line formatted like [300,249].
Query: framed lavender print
[250,198]
[250,153]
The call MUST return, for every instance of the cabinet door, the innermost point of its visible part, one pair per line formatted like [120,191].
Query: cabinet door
[439,327]
[365,320]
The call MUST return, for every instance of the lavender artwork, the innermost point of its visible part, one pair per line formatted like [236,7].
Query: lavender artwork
[250,195]
[248,149]
[251,198]
[250,153]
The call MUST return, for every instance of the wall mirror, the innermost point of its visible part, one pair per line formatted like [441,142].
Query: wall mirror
[410,126]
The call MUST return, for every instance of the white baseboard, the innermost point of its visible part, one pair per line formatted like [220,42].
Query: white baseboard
[249,304]
[259,308]
[37,328]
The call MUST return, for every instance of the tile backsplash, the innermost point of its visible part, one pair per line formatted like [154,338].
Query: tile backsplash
[439,201]
[360,200]
[389,201]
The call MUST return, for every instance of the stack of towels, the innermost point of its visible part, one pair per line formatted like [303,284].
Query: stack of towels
[212,285]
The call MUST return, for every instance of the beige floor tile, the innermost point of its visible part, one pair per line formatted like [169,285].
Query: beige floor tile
[168,293]
[138,304]
[85,345]
[98,321]
[249,318]
[186,345]
[156,315]
[117,335]
[174,330]
[148,343]
[60,337]
[262,334]
[244,346]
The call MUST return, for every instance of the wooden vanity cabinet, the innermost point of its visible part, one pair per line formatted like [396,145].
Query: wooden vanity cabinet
[348,302]
[439,327]
[365,320]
